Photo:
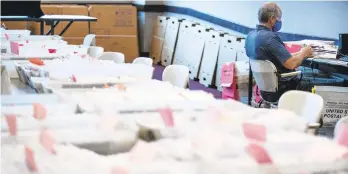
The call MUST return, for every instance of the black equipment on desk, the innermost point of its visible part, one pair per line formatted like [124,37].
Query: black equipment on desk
[342,45]
[21,8]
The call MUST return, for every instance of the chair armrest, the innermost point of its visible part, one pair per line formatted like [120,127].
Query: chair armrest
[290,74]
[313,125]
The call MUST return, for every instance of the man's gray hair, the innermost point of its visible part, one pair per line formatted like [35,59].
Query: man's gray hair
[268,10]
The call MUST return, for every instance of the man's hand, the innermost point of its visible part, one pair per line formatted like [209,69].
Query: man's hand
[307,51]
[295,60]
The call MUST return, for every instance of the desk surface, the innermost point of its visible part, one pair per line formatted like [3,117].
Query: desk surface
[49,18]
[327,65]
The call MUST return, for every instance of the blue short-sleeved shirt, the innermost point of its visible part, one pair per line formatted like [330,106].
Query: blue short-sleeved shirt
[263,44]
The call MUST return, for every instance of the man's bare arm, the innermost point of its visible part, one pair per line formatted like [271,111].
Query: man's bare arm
[296,59]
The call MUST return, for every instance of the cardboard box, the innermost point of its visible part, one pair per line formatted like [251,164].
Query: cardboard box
[74,40]
[126,44]
[335,104]
[114,19]
[18,25]
[77,29]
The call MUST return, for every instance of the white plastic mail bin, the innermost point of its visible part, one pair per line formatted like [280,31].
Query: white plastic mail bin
[74,49]
[36,48]
[14,34]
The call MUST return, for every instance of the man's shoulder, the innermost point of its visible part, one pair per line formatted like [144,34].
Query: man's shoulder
[262,37]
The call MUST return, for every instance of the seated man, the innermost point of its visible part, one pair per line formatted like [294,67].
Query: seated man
[264,44]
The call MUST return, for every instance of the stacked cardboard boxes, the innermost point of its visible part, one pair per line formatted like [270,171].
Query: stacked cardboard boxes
[116,29]
[17,25]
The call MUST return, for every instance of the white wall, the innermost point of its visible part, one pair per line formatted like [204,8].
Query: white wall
[322,19]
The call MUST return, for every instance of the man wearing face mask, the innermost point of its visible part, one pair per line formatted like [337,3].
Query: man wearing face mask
[264,44]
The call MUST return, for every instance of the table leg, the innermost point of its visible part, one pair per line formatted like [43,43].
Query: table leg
[250,87]
[42,29]
[53,25]
[66,28]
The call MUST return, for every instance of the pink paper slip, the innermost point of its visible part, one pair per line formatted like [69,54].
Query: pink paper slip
[6,36]
[39,111]
[73,78]
[167,116]
[342,135]
[47,141]
[227,74]
[52,50]
[29,159]
[12,124]
[293,48]
[254,131]
[259,153]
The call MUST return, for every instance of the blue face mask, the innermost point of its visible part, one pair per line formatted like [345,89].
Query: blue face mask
[277,26]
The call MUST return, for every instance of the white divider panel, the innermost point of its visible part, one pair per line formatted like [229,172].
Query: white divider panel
[160,26]
[182,46]
[210,55]
[227,53]
[158,33]
[194,54]
[166,56]
[156,49]
[241,54]
[170,41]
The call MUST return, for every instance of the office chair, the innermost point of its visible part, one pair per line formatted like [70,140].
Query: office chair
[178,75]
[304,104]
[266,76]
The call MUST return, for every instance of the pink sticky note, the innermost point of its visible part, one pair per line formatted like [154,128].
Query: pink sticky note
[52,50]
[342,135]
[254,131]
[75,52]
[47,140]
[26,41]
[119,170]
[12,124]
[39,111]
[20,44]
[167,116]
[6,36]
[30,160]
[259,153]
[73,78]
